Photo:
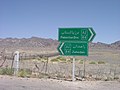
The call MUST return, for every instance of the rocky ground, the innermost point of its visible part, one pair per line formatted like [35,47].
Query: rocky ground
[15,83]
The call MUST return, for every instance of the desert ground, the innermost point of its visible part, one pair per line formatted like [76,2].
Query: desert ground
[15,83]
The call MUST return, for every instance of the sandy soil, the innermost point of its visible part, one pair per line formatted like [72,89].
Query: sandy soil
[15,83]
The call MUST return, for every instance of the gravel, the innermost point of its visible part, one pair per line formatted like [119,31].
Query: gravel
[16,83]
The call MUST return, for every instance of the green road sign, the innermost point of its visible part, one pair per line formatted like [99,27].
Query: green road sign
[76,34]
[73,48]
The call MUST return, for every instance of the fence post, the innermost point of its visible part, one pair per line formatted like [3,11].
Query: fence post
[16,63]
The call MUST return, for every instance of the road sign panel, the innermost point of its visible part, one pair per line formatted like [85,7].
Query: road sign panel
[73,48]
[76,34]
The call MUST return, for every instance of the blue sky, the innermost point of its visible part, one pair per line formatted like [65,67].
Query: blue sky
[42,18]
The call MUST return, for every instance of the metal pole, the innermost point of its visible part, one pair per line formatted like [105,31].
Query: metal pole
[83,68]
[73,71]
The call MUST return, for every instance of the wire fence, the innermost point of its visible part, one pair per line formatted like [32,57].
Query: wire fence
[43,66]
[61,68]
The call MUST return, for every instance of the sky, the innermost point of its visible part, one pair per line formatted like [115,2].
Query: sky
[42,18]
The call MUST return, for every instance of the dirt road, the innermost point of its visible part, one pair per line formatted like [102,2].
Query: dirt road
[14,83]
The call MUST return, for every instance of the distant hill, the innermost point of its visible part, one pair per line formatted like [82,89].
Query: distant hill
[36,43]
[116,44]
[28,44]
[99,45]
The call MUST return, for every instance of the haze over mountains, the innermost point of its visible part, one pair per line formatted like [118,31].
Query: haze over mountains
[36,42]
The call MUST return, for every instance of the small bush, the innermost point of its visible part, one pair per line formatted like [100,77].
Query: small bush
[54,60]
[24,73]
[81,62]
[58,59]
[61,58]
[39,59]
[6,71]
[116,78]
[101,62]
[92,62]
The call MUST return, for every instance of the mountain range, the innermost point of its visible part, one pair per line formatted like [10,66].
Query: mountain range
[36,43]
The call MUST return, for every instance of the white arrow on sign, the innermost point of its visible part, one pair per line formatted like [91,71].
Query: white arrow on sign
[92,34]
[61,48]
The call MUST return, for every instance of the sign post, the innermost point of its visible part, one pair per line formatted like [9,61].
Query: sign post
[73,69]
[74,42]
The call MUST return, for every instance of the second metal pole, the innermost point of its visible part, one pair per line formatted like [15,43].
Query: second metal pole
[73,70]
